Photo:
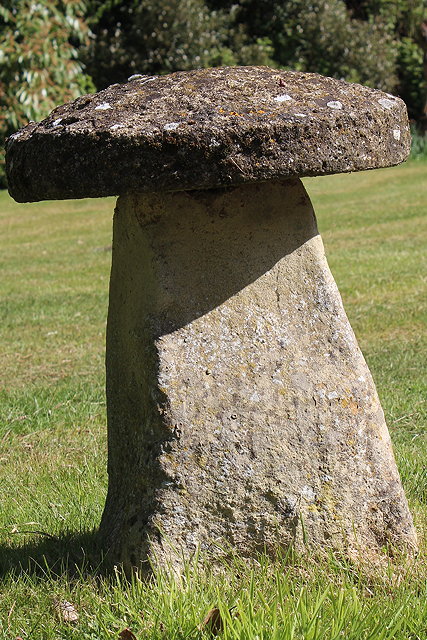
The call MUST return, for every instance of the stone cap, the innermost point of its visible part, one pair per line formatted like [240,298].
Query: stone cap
[203,129]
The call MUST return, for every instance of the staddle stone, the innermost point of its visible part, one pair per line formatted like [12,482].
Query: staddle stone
[241,412]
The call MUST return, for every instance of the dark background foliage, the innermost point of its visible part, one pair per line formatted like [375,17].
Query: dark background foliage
[51,51]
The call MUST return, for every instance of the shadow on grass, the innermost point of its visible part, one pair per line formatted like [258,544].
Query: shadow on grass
[72,555]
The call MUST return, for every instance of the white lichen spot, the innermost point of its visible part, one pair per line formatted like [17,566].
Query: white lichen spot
[308,493]
[117,126]
[334,104]
[171,126]
[103,106]
[136,76]
[332,395]
[145,79]
[300,115]
[56,122]
[178,509]
[284,97]
[396,134]
[386,103]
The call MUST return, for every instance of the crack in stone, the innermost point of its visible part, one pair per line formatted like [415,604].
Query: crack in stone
[277,290]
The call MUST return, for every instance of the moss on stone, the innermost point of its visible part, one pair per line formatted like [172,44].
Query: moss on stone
[204,129]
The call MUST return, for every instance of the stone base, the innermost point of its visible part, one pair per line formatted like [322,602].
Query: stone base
[241,411]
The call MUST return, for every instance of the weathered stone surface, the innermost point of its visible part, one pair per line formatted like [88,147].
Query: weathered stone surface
[240,408]
[203,129]
[239,403]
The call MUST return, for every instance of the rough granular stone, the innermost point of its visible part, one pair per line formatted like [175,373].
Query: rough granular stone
[203,129]
[241,409]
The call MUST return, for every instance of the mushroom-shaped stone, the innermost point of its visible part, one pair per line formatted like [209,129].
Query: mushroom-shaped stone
[240,409]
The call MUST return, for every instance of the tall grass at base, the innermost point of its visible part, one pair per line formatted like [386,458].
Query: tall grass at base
[296,599]
[419,144]
[55,260]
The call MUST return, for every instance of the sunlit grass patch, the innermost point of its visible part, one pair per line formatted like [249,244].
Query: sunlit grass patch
[292,599]
[55,262]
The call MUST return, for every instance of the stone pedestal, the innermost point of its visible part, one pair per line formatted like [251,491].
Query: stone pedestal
[241,411]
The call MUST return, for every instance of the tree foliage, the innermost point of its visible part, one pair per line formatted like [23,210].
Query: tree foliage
[39,59]
[404,19]
[164,36]
[322,36]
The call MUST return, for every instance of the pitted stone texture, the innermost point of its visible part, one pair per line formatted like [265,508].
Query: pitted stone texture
[239,403]
[203,129]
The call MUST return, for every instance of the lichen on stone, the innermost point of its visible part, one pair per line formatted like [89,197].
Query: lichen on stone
[155,133]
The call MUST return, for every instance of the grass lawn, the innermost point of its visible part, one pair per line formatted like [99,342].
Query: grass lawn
[55,260]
